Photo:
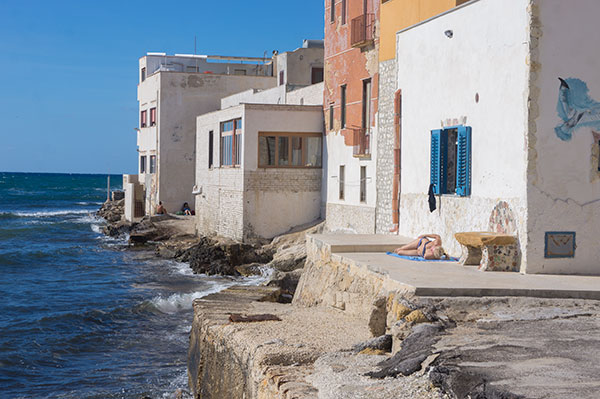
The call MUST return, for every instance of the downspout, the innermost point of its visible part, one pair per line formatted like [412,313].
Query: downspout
[396,181]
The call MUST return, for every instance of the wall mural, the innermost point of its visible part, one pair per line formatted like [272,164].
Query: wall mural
[575,108]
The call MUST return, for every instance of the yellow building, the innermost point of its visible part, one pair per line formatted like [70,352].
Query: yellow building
[396,15]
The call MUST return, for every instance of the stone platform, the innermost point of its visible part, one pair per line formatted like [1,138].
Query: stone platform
[447,278]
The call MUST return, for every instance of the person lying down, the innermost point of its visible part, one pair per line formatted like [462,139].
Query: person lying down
[427,246]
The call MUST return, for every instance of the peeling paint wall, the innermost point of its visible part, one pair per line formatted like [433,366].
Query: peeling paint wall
[350,66]
[563,193]
[479,78]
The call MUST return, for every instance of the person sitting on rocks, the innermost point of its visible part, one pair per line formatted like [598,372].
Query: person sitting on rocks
[424,247]
[160,209]
[186,209]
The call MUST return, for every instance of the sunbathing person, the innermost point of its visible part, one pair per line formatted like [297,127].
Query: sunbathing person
[424,247]
[186,209]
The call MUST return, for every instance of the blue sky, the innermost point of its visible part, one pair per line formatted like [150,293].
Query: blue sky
[69,69]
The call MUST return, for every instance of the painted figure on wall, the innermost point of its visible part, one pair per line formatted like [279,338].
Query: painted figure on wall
[575,108]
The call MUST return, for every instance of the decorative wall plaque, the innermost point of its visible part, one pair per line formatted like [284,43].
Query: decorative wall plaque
[560,244]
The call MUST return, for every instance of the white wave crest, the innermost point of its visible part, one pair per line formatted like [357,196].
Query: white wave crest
[177,302]
[181,268]
[52,213]
[89,203]
[96,228]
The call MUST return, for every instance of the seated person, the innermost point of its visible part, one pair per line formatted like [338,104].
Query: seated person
[424,247]
[160,209]
[186,209]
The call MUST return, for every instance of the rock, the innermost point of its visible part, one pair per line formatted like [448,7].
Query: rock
[289,250]
[416,316]
[381,343]
[252,269]
[118,195]
[112,211]
[287,281]
[415,349]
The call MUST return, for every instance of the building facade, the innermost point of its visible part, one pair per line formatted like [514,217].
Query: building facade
[500,109]
[172,91]
[350,104]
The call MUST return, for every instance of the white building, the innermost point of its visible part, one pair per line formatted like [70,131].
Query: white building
[260,158]
[500,111]
[172,91]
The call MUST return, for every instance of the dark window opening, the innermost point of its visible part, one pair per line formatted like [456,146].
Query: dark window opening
[330,116]
[343,105]
[450,167]
[343,12]
[152,163]
[332,11]
[281,76]
[341,179]
[363,184]
[316,75]
[143,164]
[210,148]
[143,77]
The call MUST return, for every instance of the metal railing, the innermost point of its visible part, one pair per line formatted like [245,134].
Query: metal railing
[361,142]
[361,33]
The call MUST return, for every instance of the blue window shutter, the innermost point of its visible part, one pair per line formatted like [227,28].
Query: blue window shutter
[439,151]
[463,162]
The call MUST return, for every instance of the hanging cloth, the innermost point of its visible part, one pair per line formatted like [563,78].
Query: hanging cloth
[432,204]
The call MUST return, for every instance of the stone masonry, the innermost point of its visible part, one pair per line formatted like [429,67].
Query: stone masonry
[385,147]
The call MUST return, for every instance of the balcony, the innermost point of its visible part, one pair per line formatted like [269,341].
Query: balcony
[361,142]
[361,33]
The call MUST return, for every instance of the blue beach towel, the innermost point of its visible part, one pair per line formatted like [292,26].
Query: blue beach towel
[420,259]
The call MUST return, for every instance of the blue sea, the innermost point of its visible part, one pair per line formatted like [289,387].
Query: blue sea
[83,315]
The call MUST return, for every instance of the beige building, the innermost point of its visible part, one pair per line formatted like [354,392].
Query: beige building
[259,159]
[172,91]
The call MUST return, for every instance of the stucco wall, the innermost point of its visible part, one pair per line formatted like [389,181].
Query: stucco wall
[247,202]
[310,95]
[563,177]
[479,78]
[297,65]
[183,97]
[274,95]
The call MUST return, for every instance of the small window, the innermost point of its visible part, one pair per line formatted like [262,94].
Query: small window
[153,116]
[281,76]
[143,164]
[343,12]
[332,11]
[450,165]
[231,142]
[143,74]
[341,179]
[210,148]
[363,184]
[343,105]
[330,116]
[286,150]
[316,75]
[143,118]
[152,163]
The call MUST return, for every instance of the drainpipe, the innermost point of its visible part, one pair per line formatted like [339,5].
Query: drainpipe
[396,181]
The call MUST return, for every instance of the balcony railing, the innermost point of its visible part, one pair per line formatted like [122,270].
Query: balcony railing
[361,141]
[362,30]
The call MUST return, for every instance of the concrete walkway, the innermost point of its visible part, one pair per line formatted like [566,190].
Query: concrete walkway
[450,278]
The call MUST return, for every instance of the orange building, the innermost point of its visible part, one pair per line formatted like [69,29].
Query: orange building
[350,107]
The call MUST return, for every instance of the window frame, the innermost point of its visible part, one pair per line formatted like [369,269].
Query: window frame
[142,164]
[439,161]
[144,118]
[152,117]
[236,150]
[152,166]
[343,100]
[289,135]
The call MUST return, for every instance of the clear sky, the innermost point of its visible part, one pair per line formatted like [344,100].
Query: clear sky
[68,76]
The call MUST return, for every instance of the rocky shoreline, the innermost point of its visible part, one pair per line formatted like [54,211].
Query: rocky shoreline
[339,339]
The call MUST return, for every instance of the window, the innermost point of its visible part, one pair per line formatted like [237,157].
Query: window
[143,118]
[288,150]
[341,179]
[330,116]
[231,142]
[239,71]
[343,12]
[152,163]
[332,11]
[366,104]
[281,76]
[210,148]
[143,164]
[343,105]
[450,169]
[153,116]
[363,184]
[143,77]
[316,75]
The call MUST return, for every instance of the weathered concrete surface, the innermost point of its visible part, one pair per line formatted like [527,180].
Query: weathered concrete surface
[266,359]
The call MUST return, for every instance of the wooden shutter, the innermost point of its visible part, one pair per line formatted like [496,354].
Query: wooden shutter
[439,151]
[463,162]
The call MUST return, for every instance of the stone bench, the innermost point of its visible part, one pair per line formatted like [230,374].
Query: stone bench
[491,251]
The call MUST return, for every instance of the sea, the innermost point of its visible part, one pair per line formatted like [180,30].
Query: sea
[83,315]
